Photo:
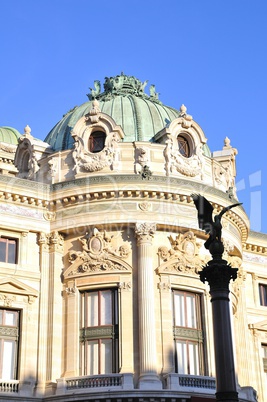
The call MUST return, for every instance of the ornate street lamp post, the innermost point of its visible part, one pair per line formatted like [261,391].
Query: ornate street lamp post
[218,275]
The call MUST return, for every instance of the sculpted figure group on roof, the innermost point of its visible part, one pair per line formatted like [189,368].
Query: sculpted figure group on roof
[123,85]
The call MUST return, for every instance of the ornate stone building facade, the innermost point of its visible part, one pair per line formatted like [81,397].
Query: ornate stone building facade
[100,254]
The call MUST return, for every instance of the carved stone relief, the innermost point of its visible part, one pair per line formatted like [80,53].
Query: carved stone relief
[98,255]
[224,171]
[7,299]
[142,159]
[52,169]
[93,162]
[175,161]
[182,257]
[9,148]
[236,286]
[84,159]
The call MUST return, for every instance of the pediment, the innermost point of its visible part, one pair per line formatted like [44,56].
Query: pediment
[80,267]
[16,287]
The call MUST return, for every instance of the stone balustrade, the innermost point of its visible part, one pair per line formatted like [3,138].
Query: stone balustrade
[10,386]
[181,384]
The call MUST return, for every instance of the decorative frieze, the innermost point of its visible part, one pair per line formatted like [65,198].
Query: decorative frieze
[188,333]
[96,332]
[8,331]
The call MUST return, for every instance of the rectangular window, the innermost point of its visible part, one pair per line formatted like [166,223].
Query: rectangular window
[99,332]
[188,333]
[263,294]
[9,340]
[264,361]
[8,250]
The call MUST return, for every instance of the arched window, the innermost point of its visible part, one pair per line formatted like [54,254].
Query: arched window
[183,145]
[97,141]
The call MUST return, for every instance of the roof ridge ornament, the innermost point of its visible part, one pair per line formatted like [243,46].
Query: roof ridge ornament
[122,85]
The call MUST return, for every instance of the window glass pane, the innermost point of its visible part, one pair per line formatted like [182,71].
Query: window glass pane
[92,309]
[191,311]
[8,363]
[97,141]
[183,146]
[193,358]
[179,310]
[10,318]
[106,308]
[263,295]
[106,356]
[3,250]
[12,251]
[92,358]
[181,357]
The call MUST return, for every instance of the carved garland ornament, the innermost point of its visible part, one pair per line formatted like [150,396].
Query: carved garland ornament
[98,255]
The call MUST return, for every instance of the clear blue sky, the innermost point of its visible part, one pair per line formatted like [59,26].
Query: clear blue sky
[210,55]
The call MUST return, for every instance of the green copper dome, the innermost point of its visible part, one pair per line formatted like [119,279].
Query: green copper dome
[140,115]
[9,135]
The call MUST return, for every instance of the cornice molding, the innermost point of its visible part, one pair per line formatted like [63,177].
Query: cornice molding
[176,186]
[81,190]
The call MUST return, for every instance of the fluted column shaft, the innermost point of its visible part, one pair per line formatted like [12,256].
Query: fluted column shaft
[147,330]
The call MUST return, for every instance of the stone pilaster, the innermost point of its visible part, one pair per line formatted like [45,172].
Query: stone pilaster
[55,307]
[126,326]
[218,274]
[43,313]
[71,335]
[147,333]
[165,294]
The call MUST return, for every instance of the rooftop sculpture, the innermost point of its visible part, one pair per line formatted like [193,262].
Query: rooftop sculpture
[123,85]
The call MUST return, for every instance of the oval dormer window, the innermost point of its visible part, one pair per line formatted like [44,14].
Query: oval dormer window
[183,145]
[97,141]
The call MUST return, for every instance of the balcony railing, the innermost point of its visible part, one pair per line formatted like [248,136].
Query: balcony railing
[189,383]
[94,382]
[10,386]
[185,384]
[111,381]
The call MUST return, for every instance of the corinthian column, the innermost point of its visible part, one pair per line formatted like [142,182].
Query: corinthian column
[147,334]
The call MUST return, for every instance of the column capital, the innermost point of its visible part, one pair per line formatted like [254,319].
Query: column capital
[57,241]
[43,241]
[145,231]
